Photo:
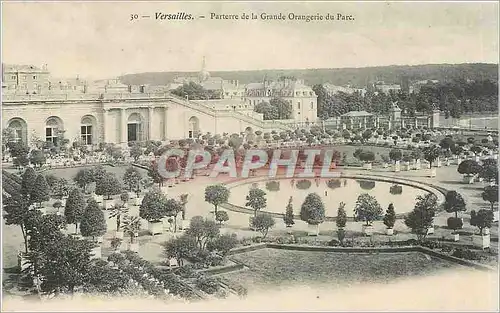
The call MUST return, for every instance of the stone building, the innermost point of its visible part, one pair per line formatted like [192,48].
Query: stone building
[110,112]
[301,97]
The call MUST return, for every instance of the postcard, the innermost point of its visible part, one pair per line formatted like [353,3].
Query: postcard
[249,156]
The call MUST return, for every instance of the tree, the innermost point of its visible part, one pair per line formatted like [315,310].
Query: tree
[223,244]
[173,208]
[431,153]
[490,170]
[131,226]
[132,179]
[44,230]
[469,167]
[108,185]
[216,195]
[66,265]
[288,217]
[262,222]
[454,203]
[75,207]
[17,211]
[37,158]
[93,223]
[154,206]
[203,230]
[481,219]
[41,191]
[136,152]
[421,218]
[154,174]
[490,194]
[390,216]
[395,155]
[59,187]
[183,200]
[341,219]
[312,210]
[118,212]
[28,182]
[181,248]
[84,177]
[221,217]
[367,209]
[256,199]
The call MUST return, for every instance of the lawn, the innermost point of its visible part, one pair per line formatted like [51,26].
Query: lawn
[274,267]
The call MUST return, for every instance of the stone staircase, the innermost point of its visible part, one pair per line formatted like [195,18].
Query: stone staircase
[261,124]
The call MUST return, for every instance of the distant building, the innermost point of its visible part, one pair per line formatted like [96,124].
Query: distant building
[360,120]
[227,89]
[386,88]
[333,89]
[356,120]
[24,78]
[301,97]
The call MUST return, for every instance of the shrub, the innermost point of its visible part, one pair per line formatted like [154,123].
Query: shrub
[454,223]
[273,186]
[209,285]
[432,244]
[466,254]
[303,184]
[334,183]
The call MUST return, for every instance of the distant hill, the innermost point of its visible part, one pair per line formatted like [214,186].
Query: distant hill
[358,77]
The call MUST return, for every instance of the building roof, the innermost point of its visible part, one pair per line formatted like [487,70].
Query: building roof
[357,113]
[22,68]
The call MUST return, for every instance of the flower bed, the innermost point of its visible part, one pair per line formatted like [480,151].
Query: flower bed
[270,267]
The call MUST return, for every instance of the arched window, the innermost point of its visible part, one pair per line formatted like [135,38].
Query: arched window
[194,127]
[53,127]
[19,129]
[86,130]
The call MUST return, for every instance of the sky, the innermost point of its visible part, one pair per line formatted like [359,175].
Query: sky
[98,39]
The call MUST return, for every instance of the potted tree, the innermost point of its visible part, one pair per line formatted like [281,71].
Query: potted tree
[118,212]
[420,220]
[75,207]
[108,185]
[431,153]
[341,222]
[312,212]
[288,216]
[216,195]
[469,168]
[262,222]
[367,209]
[396,155]
[154,209]
[454,203]
[131,226]
[132,179]
[482,219]
[93,225]
[490,194]
[390,220]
